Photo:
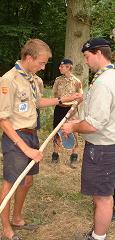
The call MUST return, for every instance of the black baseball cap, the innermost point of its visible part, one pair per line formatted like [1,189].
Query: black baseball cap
[95,43]
[66,61]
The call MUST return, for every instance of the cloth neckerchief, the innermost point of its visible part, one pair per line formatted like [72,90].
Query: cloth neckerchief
[110,66]
[29,77]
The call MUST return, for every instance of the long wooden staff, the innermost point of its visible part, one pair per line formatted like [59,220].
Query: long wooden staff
[30,165]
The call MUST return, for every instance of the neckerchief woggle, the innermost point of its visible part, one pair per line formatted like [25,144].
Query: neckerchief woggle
[29,77]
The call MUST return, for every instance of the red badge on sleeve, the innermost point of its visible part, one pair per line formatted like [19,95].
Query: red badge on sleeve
[4,90]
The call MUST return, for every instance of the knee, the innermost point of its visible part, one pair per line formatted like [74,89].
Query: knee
[28,181]
[100,201]
[4,189]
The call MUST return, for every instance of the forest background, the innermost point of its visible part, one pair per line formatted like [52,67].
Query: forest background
[55,202]
[47,20]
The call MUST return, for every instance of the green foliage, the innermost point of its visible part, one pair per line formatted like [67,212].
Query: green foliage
[46,20]
[21,20]
[46,115]
[103,18]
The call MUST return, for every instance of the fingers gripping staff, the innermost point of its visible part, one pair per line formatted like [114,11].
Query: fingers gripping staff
[30,165]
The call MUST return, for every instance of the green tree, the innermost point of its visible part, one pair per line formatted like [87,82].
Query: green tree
[46,20]
[102,18]
[87,19]
[77,32]
[21,20]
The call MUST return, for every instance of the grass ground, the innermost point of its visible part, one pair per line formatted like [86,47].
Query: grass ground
[54,201]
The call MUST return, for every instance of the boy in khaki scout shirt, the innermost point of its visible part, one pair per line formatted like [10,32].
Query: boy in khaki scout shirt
[65,85]
[19,97]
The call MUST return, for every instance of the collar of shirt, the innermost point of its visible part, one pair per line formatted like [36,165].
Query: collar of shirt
[110,66]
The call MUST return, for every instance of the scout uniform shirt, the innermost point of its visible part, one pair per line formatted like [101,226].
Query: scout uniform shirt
[64,86]
[17,102]
[99,109]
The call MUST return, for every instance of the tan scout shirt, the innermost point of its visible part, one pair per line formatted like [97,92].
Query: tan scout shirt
[66,86]
[16,100]
[99,109]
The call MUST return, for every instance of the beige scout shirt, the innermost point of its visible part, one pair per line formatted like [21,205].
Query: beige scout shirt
[16,100]
[64,86]
[99,109]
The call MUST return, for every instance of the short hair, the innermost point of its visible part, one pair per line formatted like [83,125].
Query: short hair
[106,52]
[34,47]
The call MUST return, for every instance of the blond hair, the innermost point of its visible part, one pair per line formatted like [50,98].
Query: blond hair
[35,47]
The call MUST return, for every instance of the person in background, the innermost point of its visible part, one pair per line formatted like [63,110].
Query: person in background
[98,129]
[19,98]
[64,85]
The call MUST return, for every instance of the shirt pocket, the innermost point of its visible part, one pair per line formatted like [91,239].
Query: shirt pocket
[22,99]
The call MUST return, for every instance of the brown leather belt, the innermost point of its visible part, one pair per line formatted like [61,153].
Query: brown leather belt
[88,143]
[28,130]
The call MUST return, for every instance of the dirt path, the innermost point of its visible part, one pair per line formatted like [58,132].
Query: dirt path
[55,202]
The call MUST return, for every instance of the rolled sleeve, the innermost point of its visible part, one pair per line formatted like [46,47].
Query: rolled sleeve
[94,123]
[6,98]
[5,115]
[98,114]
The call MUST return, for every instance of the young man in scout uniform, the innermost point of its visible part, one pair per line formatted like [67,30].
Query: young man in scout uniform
[64,85]
[98,129]
[19,98]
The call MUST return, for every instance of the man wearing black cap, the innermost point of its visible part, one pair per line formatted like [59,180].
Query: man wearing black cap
[64,85]
[98,129]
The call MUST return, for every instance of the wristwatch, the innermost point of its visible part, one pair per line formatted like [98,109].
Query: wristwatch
[59,100]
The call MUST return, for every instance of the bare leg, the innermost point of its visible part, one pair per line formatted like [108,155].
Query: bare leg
[5,215]
[56,143]
[74,154]
[75,149]
[103,214]
[114,199]
[19,201]
[113,217]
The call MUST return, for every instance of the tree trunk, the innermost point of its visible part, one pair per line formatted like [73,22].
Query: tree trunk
[77,33]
